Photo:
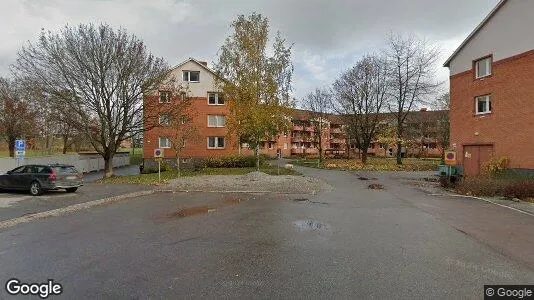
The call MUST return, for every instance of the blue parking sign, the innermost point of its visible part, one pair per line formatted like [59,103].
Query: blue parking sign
[20,145]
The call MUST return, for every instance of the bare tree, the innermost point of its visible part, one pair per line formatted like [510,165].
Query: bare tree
[318,104]
[411,62]
[361,95]
[183,129]
[17,116]
[442,105]
[99,76]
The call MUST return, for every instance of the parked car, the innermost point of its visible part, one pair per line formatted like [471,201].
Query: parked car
[41,178]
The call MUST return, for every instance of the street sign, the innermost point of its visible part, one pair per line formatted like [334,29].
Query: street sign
[450,158]
[20,153]
[20,145]
[158,152]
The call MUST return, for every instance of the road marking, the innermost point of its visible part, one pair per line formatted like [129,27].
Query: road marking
[489,201]
[70,209]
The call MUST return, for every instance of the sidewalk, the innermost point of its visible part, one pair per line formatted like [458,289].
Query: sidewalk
[123,171]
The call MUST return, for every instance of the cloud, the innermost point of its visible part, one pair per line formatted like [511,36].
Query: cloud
[328,36]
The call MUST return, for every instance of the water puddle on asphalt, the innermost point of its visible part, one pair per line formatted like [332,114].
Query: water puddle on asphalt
[191,211]
[204,209]
[309,225]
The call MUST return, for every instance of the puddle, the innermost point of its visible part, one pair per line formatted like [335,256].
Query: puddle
[300,200]
[191,211]
[309,224]
[233,200]
[204,209]
[376,186]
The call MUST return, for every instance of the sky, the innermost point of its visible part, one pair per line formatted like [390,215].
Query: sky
[328,36]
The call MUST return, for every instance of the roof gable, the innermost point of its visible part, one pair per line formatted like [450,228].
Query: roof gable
[474,32]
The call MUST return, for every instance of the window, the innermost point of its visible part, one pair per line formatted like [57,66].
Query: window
[271,145]
[165,120]
[215,99]
[244,145]
[185,160]
[215,142]
[352,146]
[216,121]
[184,119]
[191,76]
[483,67]
[164,142]
[164,97]
[285,145]
[483,104]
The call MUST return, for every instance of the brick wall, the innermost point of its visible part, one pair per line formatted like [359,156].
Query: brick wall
[510,125]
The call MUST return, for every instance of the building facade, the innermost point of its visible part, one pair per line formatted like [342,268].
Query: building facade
[210,111]
[492,89]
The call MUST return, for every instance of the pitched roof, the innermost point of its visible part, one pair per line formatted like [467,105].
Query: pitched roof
[197,62]
[475,31]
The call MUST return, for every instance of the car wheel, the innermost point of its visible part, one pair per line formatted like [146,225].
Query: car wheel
[71,190]
[35,189]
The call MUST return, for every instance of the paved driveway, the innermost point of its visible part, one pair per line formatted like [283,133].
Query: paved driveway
[346,243]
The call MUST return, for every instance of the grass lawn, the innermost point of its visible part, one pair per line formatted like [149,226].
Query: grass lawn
[167,175]
[374,164]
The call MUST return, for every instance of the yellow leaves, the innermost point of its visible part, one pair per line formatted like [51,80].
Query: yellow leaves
[381,164]
[496,165]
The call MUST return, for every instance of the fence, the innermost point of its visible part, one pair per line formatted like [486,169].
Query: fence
[84,162]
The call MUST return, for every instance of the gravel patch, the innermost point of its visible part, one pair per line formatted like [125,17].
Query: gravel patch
[251,182]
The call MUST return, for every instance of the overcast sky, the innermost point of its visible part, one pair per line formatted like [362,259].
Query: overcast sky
[328,35]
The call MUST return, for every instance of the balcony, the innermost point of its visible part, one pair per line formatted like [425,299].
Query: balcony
[297,139]
[310,129]
[337,141]
[335,130]
[298,128]
[297,151]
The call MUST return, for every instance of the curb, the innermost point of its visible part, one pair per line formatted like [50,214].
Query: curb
[223,191]
[70,209]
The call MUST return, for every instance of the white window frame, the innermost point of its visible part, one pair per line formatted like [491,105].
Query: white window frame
[216,142]
[168,142]
[216,99]
[488,62]
[167,99]
[220,121]
[169,120]
[487,99]
[188,72]
[285,146]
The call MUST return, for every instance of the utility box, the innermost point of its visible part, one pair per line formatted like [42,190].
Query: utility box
[452,172]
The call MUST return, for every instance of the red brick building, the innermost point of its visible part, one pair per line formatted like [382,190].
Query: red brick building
[492,89]
[213,140]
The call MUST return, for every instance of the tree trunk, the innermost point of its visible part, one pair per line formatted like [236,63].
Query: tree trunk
[178,165]
[11,146]
[256,154]
[364,155]
[108,165]
[399,157]
[65,144]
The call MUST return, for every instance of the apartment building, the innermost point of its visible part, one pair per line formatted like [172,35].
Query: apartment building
[210,111]
[492,89]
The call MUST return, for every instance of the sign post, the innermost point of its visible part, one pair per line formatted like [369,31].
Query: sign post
[450,160]
[20,150]
[158,154]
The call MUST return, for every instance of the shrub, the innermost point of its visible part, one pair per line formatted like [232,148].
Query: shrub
[233,162]
[496,166]
[519,189]
[492,187]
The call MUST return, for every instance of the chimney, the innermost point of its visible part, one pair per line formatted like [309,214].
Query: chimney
[205,63]
[423,109]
